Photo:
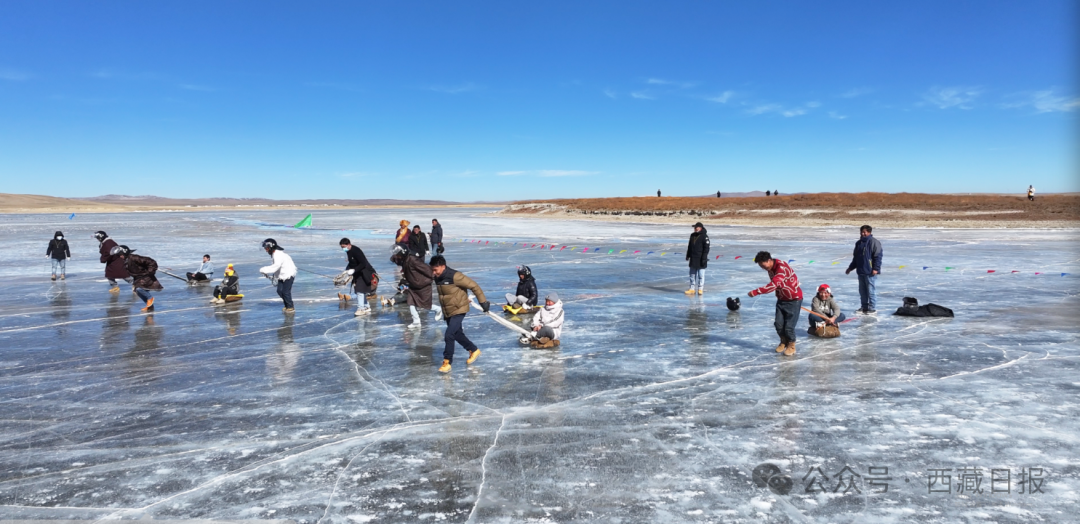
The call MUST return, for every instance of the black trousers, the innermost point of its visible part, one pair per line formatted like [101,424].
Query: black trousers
[198,277]
[284,290]
[787,315]
[454,333]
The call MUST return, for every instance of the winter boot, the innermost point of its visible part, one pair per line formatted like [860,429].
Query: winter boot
[473,355]
[689,291]
[701,291]
[54,277]
[790,349]
[62,276]
[149,305]
[115,290]
[782,347]
[445,367]
[289,310]
[361,311]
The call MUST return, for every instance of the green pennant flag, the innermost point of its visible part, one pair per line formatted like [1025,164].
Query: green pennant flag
[306,222]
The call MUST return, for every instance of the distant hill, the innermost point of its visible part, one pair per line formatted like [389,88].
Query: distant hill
[156,201]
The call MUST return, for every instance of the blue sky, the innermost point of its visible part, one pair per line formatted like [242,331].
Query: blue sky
[512,100]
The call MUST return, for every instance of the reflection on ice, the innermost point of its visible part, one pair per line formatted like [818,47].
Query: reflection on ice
[657,407]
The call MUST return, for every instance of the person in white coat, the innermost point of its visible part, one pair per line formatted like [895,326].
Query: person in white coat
[548,321]
[282,271]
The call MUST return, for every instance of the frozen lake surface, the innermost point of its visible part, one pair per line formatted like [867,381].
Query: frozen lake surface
[656,408]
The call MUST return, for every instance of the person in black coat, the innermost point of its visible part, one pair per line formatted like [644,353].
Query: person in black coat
[114,265]
[365,279]
[697,254]
[59,253]
[418,242]
[436,237]
[526,293]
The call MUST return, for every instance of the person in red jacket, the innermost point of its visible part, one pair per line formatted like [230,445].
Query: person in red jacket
[789,298]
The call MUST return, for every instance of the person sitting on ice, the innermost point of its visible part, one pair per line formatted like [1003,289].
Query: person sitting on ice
[205,271]
[825,304]
[548,321]
[526,295]
[230,285]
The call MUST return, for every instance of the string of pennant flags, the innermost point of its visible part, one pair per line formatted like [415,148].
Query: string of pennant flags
[544,246]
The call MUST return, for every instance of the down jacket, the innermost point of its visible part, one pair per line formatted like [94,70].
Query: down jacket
[142,269]
[419,277]
[436,235]
[697,251]
[527,288]
[783,281]
[550,316]
[114,265]
[454,290]
[58,249]
[867,256]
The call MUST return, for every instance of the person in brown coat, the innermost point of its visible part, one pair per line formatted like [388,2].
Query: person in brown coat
[142,270]
[419,277]
[114,265]
[454,290]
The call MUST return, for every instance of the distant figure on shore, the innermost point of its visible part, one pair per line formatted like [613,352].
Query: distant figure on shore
[776,193]
[768,193]
[1031,193]
[717,194]
[657,193]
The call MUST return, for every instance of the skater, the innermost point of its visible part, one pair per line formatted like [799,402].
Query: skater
[547,324]
[436,237]
[419,277]
[142,270]
[697,254]
[204,273]
[114,265]
[402,236]
[789,298]
[454,290]
[825,304]
[59,253]
[230,285]
[1031,193]
[526,295]
[866,263]
[282,272]
[365,280]
[418,242]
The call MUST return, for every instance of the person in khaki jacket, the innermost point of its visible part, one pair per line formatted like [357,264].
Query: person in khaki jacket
[453,288]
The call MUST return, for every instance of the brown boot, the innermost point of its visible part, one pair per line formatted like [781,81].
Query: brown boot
[790,349]
[445,367]
[782,346]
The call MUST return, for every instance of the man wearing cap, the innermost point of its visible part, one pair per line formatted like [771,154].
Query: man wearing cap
[548,321]
[697,254]
[825,304]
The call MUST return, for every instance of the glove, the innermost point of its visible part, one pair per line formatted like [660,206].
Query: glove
[486,306]
[350,271]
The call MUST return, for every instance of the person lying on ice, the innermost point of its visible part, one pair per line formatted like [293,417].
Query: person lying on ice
[365,280]
[548,321]
[419,277]
[825,304]
[454,290]
[142,270]
[526,294]
[789,298]
[205,271]
[230,285]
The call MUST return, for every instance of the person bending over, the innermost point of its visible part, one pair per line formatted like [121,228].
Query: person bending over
[454,290]
[365,279]
[114,265]
[143,270]
[205,271]
[789,298]
[525,295]
[419,278]
[548,321]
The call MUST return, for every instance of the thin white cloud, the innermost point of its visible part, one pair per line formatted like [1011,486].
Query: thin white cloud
[793,112]
[788,112]
[722,98]
[610,94]
[455,89]
[1043,102]
[960,97]
[762,109]
[813,104]
[14,75]
[195,87]
[858,91]
[673,83]
[642,95]
[836,116]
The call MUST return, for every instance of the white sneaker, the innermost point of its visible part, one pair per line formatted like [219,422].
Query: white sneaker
[414,325]
[363,311]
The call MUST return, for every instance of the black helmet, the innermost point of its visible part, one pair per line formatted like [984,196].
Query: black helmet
[733,303]
[270,244]
[101,236]
[120,250]
[525,271]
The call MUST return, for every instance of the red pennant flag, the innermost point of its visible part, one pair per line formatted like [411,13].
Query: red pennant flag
[1014,271]
[560,249]
[534,245]
[991,271]
[487,242]
[738,257]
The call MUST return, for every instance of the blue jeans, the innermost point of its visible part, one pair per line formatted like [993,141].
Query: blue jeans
[454,333]
[815,320]
[697,279]
[868,292]
[284,290]
[787,316]
[61,264]
[143,294]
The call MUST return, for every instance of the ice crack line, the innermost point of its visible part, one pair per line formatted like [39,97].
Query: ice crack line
[483,470]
